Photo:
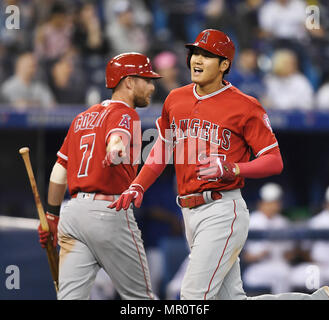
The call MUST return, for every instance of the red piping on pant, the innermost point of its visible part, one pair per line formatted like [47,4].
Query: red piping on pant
[234,209]
[140,258]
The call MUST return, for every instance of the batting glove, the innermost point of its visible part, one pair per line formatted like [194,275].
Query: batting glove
[213,167]
[52,233]
[134,194]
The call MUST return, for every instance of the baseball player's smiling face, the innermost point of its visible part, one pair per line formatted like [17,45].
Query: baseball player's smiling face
[206,71]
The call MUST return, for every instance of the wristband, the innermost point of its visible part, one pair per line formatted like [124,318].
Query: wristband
[55,210]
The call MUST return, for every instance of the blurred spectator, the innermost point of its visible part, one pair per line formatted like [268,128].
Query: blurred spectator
[217,15]
[283,25]
[268,261]
[143,16]
[124,34]
[318,48]
[246,22]
[67,80]
[322,96]
[245,74]
[18,40]
[177,20]
[54,37]
[88,36]
[286,87]
[283,19]
[44,9]
[22,90]
[165,63]
[315,273]
[5,63]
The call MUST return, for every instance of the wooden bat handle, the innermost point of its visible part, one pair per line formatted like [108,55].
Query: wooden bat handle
[25,153]
[52,253]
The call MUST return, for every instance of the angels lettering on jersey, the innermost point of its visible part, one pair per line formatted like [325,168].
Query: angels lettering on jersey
[205,130]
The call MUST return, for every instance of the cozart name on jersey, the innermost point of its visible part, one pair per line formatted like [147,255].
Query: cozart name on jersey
[89,121]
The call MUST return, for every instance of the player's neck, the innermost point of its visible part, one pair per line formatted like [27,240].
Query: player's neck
[203,90]
[118,96]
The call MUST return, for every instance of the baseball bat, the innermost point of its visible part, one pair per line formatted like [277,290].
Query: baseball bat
[52,253]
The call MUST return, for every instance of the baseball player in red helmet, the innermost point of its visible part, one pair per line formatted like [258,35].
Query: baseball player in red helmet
[98,161]
[212,128]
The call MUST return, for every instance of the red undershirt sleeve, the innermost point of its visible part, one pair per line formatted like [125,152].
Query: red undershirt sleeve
[154,164]
[266,165]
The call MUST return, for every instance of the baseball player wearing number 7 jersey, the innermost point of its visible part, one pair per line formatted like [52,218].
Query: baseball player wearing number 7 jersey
[98,161]
[212,127]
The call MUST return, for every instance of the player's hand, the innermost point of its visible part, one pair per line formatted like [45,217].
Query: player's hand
[113,158]
[115,150]
[52,233]
[213,167]
[134,194]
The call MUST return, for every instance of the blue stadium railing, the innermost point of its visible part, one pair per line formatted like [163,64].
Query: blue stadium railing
[61,117]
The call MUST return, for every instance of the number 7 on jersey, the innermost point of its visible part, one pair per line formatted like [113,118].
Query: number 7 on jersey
[87,142]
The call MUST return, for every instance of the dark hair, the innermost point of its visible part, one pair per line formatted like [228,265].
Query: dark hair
[58,8]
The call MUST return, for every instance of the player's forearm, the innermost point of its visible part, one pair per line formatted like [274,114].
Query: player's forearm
[262,167]
[56,193]
[57,188]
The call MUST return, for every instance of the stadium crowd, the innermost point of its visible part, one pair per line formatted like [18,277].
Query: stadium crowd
[58,53]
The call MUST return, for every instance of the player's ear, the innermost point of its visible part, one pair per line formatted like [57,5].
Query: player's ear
[129,82]
[224,65]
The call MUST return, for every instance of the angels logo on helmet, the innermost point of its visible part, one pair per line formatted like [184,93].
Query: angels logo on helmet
[204,38]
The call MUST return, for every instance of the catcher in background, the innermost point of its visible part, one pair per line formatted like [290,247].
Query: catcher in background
[212,127]
[98,161]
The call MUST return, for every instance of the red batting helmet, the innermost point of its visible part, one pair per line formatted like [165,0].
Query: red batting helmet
[128,64]
[214,41]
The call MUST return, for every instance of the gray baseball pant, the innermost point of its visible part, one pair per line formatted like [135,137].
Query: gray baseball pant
[93,236]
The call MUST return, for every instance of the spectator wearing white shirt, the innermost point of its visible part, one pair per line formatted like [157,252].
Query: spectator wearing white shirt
[286,87]
[124,33]
[22,90]
[268,260]
[322,96]
[283,19]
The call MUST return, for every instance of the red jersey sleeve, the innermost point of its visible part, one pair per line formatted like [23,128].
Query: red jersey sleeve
[258,132]
[163,124]
[124,120]
[62,154]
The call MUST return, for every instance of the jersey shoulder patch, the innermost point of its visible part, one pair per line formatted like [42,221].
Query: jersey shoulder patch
[125,121]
